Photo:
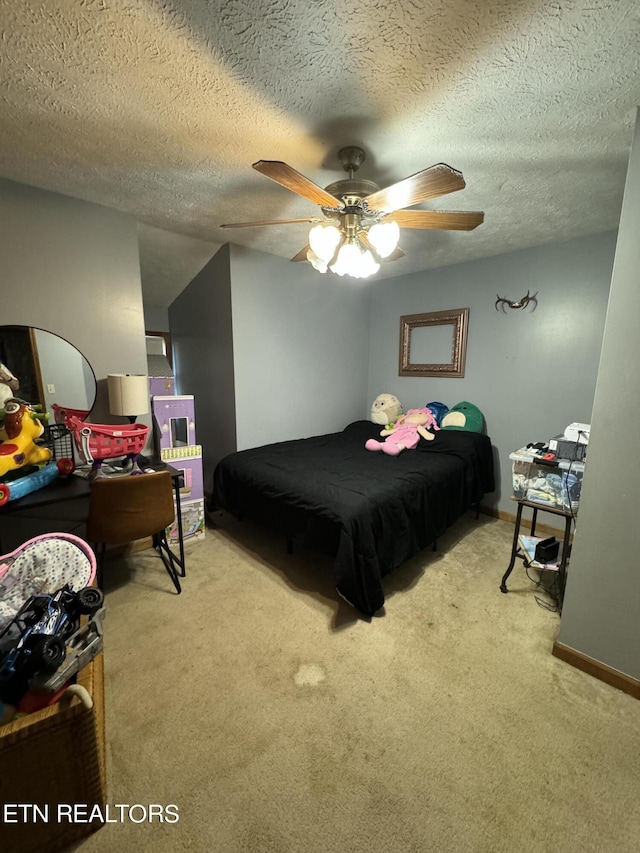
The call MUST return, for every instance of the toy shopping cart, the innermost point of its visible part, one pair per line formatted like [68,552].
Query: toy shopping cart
[100,442]
[57,437]
[61,414]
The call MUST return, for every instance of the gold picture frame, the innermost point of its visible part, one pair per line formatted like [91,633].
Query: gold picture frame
[458,319]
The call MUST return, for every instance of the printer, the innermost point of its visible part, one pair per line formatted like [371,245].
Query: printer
[572,444]
[578,432]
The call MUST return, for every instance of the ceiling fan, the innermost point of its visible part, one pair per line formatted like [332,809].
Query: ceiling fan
[360,226]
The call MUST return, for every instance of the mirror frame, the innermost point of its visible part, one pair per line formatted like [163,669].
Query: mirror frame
[35,372]
[458,319]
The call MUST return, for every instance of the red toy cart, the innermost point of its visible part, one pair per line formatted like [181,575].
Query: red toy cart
[61,414]
[99,442]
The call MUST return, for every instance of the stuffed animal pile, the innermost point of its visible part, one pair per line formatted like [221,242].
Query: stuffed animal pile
[403,432]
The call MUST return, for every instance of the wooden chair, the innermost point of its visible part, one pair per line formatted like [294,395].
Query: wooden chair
[126,508]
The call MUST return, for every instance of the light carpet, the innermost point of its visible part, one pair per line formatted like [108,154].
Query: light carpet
[277,719]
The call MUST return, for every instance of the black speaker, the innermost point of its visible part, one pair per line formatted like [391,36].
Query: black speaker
[547,550]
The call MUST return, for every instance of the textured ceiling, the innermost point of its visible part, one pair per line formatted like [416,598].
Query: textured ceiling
[159,107]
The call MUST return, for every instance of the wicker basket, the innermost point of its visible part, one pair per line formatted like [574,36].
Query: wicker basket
[56,755]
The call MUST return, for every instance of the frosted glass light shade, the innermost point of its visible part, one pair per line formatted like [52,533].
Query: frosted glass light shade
[128,394]
[316,262]
[323,240]
[384,237]
[353,262]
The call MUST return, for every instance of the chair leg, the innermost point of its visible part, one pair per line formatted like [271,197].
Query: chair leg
[99,550]
[168,558]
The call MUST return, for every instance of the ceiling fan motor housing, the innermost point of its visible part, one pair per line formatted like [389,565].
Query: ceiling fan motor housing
[351,192]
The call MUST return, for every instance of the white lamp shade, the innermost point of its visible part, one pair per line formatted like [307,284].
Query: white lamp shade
[384,236]
[128,394]
[323,240]
[353,262]
[316,262]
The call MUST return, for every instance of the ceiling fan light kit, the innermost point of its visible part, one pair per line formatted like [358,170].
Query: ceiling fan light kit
[361,228]
[354,262]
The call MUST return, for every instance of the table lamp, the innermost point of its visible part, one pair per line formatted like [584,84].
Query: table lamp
[128,395]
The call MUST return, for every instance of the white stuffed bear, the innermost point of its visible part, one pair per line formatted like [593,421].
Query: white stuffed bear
[385,409]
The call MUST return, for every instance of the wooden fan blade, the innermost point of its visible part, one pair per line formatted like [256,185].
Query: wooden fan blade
[429,183]
[450,220]
[369,245]
[301,256]
[287,177]
[270,222]
[395,255]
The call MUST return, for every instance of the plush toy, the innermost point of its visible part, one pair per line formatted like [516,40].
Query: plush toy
[463,416]
[385,409]
[8,384]
[439,411]
[405,432]
[22,426]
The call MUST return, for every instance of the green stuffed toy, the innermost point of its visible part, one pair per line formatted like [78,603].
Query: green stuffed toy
[463,416]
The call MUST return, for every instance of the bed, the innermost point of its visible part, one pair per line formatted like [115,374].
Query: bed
[371,511]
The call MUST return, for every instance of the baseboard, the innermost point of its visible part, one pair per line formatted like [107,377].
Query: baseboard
[598,670]
[511,518]
[592,667]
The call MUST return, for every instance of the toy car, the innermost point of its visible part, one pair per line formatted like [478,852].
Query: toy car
[35,642]
[82,648]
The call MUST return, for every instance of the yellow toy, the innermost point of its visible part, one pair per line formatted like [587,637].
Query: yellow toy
[22,426]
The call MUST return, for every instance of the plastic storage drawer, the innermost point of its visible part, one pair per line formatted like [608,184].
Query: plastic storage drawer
[557,486]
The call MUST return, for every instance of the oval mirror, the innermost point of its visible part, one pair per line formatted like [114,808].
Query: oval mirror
[45,369]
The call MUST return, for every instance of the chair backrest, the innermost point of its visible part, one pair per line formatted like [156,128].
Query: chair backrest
[122,509]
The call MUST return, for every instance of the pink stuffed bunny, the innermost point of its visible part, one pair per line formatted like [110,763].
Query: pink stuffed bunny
[405,433]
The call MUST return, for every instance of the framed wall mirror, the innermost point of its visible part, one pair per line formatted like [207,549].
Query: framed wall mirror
[47,368]
[434,344]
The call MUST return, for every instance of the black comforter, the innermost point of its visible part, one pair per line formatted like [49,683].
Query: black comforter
[370,510]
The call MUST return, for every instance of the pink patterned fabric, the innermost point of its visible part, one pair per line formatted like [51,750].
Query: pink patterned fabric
[42,565]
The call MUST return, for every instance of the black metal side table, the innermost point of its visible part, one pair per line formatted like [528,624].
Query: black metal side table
[516,550]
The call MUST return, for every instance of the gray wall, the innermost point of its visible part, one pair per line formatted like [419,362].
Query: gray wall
[300,343]
[201,340]
[600,617]
[72,268]
[270,350]
[531,373]
[156,319]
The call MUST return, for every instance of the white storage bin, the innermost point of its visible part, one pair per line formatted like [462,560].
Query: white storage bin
[556,486]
